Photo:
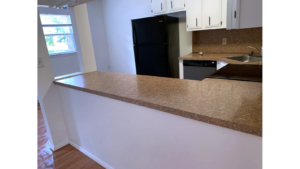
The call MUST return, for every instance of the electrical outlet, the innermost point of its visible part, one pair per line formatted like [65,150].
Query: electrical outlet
[40,62]
[224,41]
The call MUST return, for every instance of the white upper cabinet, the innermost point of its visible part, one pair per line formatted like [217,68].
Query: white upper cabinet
[206,14]
[244,14]
[176,5]
[159,6]
[193,14]
[250,13]
[212,13]
[232,14]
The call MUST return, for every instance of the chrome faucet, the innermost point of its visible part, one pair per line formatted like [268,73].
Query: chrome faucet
[255,49]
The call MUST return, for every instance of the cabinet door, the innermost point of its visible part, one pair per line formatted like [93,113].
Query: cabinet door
[232,14]
[158,6]
[250,14]
[212,13]
[193,14]
[176,5]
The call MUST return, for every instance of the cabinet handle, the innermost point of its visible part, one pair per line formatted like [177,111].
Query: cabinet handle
[234,14]
[171,5]
[209,20]
[161,6]
[196,21]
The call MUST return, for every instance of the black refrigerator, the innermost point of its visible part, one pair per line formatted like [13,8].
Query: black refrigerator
[156,46]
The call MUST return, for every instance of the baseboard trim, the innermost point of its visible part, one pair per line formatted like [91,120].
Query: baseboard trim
[87,153]
[60,145]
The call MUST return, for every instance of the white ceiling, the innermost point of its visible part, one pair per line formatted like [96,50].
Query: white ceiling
[42,2]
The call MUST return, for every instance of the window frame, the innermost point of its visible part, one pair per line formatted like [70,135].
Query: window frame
[60,25]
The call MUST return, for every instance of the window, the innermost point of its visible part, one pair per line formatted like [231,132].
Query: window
[58,33]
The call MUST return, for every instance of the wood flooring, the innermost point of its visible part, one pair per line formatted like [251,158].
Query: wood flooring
[66,157]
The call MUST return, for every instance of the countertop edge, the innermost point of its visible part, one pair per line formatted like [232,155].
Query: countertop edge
[217,58]
[218,122]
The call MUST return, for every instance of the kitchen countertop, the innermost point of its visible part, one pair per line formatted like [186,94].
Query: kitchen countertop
[231,104]
[217,57]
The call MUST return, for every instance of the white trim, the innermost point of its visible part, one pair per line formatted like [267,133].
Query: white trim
[68,75]
[63,54]
[170,12]
[218,65]
[221,64]
[56,25]
[87,153]
[53,11]
[60,145]
[181,70]
[50,141]
[59,34]
[43,6]
[76,39]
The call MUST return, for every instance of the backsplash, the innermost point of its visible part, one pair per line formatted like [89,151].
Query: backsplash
[210,41]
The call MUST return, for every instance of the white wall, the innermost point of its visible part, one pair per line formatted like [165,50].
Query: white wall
[128,136]
[185,37]
[117,18]
[49,98]
[64,64]
[85,38]
[98,33]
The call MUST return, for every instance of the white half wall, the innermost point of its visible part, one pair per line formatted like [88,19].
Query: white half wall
[49,98]
[127,136]
[98,33]
[85,38]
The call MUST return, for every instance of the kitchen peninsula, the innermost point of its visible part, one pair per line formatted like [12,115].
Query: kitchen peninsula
[162,119]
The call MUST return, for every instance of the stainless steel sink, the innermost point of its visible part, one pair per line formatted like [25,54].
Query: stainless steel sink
[245,58]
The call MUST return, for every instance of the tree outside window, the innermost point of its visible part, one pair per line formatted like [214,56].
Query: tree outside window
[58,33]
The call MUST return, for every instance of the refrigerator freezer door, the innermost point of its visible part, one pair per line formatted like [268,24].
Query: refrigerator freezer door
[149,30]
[152,60]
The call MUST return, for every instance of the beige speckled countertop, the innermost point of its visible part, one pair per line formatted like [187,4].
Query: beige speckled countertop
[217,57]
[231,104]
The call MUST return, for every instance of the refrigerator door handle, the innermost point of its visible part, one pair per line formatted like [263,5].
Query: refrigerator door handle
[134,35]
[136,55]
[135,48]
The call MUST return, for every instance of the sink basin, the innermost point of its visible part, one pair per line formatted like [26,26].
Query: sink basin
[245,58]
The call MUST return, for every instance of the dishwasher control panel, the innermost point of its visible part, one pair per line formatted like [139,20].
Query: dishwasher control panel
[199,63]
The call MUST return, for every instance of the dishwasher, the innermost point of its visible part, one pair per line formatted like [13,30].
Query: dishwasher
[198,70]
